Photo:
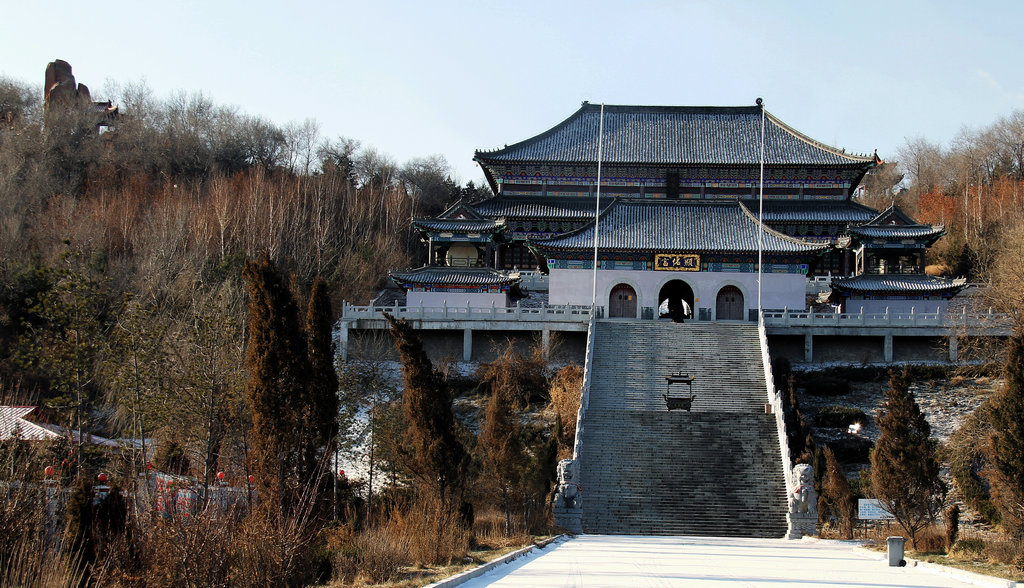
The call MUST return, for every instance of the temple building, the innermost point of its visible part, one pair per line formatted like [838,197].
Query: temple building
[678,213]
[890,260]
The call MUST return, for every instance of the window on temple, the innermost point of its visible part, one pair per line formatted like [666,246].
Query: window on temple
[516,255]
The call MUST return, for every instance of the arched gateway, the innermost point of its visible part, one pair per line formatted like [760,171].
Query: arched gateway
[622,302]
[671,297]
[729,304]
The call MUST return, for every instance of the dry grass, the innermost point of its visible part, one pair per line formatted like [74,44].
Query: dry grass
[978,552]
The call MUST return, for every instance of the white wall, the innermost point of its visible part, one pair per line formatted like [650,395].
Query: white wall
[778,290]
[474,299]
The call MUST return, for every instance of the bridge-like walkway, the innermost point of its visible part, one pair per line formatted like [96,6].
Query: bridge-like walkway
[616,561]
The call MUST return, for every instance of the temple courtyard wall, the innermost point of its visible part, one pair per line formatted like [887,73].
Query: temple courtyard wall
[576,287]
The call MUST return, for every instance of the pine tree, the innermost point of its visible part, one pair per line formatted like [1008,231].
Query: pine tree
[439,458]
[279,373]
[1007,442]
[904,471]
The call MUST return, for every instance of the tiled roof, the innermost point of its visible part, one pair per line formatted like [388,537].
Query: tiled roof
[899,283]
[674,135]
[899,232]
[13,422]
[455,276]
[538,208]
[635,225]
[459,225]
[813,212]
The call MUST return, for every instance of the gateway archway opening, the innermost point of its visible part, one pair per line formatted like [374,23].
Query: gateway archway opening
[622,302]
[675,301]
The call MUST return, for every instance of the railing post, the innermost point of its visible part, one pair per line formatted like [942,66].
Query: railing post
[421,308]
[785,316]
[888,319]
[519,311]
[444,307]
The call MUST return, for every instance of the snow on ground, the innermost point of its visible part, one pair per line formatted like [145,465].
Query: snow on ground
[616,561]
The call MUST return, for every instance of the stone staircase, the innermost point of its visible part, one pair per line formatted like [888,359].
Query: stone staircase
[716,470]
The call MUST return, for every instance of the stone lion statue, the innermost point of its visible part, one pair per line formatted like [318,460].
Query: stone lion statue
[568,488]
[802,497]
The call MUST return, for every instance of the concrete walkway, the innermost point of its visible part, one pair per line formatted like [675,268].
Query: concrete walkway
[618,561]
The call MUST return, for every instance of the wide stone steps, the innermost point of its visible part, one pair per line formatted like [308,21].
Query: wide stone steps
[715,470]
[633,358]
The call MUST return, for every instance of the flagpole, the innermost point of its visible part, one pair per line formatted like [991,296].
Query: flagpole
[760,218]
[597,208]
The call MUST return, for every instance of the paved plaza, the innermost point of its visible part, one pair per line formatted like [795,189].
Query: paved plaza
[627,561]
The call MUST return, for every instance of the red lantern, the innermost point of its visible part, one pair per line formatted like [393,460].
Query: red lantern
[149,465]
[341,473]
[48,470]
[102,478]
[252,479]
[220,476]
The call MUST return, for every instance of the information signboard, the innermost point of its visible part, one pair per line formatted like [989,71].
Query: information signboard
[869,509]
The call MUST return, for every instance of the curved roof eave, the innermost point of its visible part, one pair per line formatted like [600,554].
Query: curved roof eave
[495,156]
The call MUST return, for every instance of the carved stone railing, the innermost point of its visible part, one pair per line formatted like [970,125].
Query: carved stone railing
[588,368]
[554,313]
[804,318]
[775,400]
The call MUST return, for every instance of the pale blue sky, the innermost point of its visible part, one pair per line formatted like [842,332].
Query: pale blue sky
[445,77]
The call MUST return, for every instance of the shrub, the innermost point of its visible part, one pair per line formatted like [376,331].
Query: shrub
[952,525]
[968,548]
[852,449]
[839,416]
[819,385]
[565,400]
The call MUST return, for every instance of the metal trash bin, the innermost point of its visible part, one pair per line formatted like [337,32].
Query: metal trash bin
[896,545]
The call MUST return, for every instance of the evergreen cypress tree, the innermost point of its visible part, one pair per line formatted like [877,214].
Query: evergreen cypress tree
[324,378]
[439,458]
[1007,441]
[904,471]
[278,382]
[836,496]
[503,456]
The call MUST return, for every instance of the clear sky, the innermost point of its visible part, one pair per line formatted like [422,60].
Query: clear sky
[445,77]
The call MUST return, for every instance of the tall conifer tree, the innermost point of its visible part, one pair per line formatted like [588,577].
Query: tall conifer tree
[279,373]
[439,457]
[323,400]
[904,471]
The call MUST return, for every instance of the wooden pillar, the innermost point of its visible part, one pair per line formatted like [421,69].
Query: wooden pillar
[467,345]
[809,348]
[887,349]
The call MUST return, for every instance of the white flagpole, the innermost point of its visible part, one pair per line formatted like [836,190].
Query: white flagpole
[597,207]
[760,218]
